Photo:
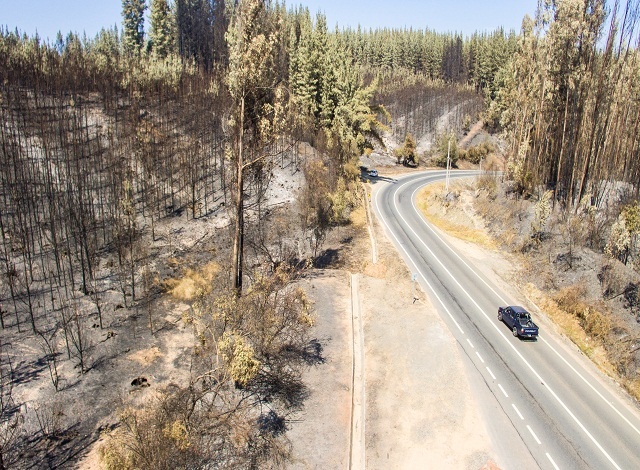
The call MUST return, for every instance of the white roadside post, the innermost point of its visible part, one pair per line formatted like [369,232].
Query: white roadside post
[414,278]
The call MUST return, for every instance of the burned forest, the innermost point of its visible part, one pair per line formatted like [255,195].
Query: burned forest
[165,191]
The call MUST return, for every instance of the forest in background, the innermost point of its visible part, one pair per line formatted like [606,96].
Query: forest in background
[104,137]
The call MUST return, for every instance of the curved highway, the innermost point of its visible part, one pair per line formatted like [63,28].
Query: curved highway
[546,405]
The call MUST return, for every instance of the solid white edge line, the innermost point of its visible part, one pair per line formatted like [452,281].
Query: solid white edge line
[503,391]
[398,244]
[591,386]
[488,286]
[534,434]
[529,366]
[491,373]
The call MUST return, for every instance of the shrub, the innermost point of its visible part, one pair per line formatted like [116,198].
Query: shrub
[593,322]
[477,153]
[619,241]
[488,184]
[407,153]
[542,212]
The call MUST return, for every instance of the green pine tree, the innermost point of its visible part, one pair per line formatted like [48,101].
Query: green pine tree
[133,22]
[162,28]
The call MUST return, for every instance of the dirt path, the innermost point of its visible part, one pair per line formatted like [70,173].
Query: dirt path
[475,129]
[320,435]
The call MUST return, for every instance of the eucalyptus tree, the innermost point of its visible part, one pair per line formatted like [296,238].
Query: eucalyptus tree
[569,102]
[257,94]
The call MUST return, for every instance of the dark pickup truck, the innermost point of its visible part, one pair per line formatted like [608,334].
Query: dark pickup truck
[519,320]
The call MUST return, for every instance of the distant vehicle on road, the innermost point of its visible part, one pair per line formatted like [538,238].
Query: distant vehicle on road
[519,320]
[373,173]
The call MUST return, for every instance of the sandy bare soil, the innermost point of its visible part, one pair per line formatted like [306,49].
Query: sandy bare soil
[418,399]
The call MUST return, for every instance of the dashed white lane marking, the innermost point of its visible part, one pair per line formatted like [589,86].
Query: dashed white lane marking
[491,373]
[479,357]
[470,343]
[552,462]
[503,391]
[517,410]
[534,434]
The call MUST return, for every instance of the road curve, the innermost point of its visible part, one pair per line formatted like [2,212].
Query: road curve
[548,406]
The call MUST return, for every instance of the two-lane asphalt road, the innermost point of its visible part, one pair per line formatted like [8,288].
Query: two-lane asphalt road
[547,406]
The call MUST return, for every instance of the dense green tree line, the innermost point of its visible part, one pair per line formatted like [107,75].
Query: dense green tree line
[450,57]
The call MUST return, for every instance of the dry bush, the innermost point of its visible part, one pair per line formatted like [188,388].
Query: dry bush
[595,323]
[478,152]
[194,427]
[192,282]
[275,238]
[151,437]
[358,217]
[626,353]
[49,418]
[633,386]
[487,183]
[251,352]
[246,380]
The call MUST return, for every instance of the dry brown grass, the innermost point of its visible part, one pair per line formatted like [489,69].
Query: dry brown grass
[429,203]
[358,217]
[591,319]
[633,386]
[192,282]
[378,270]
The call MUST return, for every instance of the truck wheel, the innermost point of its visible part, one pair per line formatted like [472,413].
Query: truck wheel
[499,316]
[515,332]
